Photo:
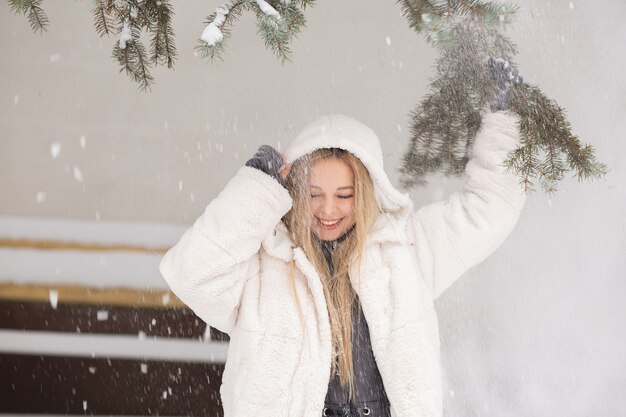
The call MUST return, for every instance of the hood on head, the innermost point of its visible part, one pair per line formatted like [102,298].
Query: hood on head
[339,131]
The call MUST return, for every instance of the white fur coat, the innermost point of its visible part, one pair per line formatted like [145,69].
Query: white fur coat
[232,268]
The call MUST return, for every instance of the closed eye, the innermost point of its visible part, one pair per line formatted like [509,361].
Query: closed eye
[346,196]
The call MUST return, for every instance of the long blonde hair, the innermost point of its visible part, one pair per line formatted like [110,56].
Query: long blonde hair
[335,280]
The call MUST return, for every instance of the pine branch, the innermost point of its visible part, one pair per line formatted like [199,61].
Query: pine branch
[102,21]
[33,11]
[446,122]
[278,22]
[162,43]
[132,57]
[18,6]
[217,28]
[273,29]
[435,19]
[293,17]
[128,18]
[543,124]
[415,10]
[306,3]
[37,18]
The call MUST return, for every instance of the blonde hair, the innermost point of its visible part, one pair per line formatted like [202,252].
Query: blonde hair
[338,291]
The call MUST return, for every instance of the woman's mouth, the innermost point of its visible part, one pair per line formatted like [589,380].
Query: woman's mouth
[328,224]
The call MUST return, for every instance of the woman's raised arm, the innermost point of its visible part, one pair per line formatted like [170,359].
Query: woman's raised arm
[208,268]
[454,235]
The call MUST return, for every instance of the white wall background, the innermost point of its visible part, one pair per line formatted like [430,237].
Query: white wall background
[536,330]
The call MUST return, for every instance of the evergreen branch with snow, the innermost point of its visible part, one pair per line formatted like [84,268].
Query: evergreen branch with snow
[131,54]
[444,125]
[217,28]
[126,19]
[33,11]
[278,22]
[274,30]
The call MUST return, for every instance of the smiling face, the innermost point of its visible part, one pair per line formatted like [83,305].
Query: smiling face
[331,183]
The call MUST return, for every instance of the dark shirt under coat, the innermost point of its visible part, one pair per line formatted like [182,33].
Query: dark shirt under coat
[369,397]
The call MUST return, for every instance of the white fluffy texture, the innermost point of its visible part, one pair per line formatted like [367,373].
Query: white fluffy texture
[232,267]
[339,131]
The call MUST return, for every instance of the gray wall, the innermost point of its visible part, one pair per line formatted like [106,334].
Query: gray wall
[535,330]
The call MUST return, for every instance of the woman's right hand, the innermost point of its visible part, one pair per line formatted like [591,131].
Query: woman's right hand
[270,161]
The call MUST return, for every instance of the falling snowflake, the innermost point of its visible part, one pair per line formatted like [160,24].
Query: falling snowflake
[55,149]
[78,175]
[54,298]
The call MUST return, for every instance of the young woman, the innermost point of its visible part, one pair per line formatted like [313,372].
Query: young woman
[324,276]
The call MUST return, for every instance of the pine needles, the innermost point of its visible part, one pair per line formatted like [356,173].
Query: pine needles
[278,22]
[33,11]
[550,149]
[436,19]
[129,19]
[444,125]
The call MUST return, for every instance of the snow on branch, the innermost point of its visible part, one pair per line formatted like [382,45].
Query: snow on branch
[278,22]
[125,35]
[267,9]
[212,33]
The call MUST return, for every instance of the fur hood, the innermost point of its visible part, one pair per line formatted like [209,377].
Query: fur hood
[339,131]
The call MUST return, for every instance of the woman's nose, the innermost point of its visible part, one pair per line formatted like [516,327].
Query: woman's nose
[328,207]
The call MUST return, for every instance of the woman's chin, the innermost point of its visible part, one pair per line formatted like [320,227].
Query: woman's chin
[324,235]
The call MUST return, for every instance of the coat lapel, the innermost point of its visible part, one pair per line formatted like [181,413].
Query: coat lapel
[278,244]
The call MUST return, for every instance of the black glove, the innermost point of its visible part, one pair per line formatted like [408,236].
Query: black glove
[505,76]
[268,160]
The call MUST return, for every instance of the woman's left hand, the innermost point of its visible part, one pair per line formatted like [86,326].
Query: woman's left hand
[505,75]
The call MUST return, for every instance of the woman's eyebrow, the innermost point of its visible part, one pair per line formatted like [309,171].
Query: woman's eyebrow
[345,187]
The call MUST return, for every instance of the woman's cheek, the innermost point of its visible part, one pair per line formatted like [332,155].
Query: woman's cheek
[350,206]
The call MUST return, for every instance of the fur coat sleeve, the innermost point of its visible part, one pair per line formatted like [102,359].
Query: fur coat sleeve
[208,268]
[452,236]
